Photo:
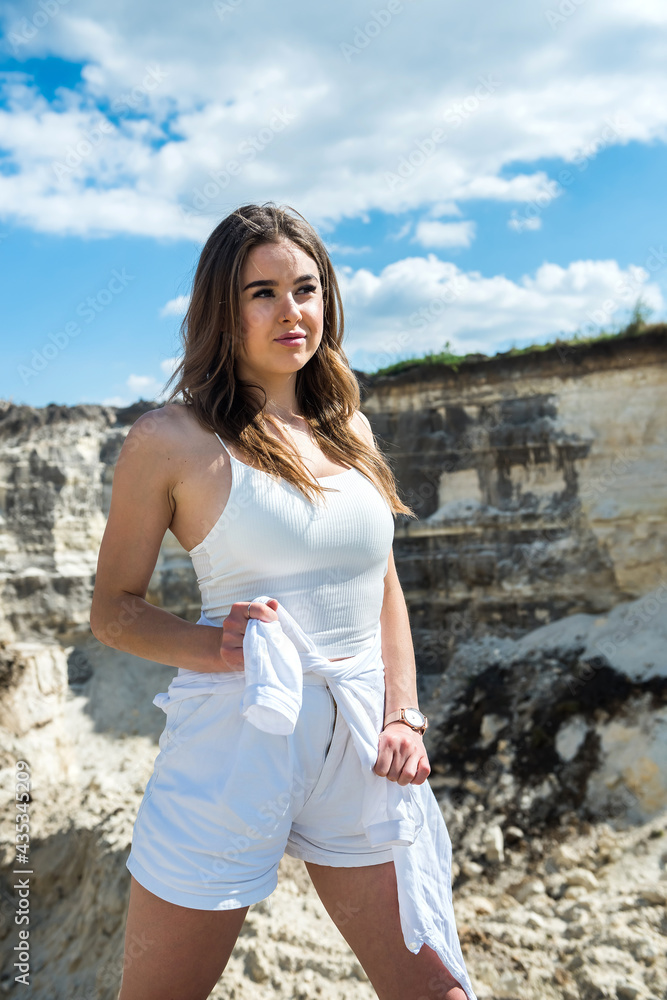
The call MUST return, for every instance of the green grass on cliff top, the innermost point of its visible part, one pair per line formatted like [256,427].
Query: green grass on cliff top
[636,326]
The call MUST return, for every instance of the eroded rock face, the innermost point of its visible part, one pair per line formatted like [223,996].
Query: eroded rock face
[90,748]
[548,904]
[56,469]
[548,726]
[539,484]
[534,579]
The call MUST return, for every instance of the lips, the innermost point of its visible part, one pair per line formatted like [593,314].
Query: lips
[291,338]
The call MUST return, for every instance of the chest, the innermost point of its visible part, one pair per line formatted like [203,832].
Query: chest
[269,525]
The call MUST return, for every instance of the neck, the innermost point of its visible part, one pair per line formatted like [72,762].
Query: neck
[280,392]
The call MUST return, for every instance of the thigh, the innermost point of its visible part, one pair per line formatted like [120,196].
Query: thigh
[173,951]
[363,903]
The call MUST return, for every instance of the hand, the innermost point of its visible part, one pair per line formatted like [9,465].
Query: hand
[401,755]
[235,624]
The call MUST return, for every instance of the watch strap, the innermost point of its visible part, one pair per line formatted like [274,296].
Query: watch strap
[399,716]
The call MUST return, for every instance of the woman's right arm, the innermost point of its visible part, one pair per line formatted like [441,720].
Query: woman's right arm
[141,511]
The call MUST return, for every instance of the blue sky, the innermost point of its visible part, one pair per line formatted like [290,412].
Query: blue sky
[481,177]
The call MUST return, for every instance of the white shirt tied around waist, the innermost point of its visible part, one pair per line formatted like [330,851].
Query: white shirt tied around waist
[406,818]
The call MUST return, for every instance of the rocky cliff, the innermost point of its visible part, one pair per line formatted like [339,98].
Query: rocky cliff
[56,469]
[539,481]
[534,578]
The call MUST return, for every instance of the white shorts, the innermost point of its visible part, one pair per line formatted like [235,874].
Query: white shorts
[227,800]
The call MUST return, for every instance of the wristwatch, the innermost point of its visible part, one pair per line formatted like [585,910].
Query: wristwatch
[410,716]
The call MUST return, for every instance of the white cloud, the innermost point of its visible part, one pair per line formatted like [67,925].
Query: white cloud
[207,111]
[145,386]
[168,366]
[652,12]
[401,233]
[444,234]
[418,303]
[176,307]
[116,401]
[344,250]
[532,223]
[440,208]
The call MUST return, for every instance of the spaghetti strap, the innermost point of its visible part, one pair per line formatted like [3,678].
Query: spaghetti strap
[223,444]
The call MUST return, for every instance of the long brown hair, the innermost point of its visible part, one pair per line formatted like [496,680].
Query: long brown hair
[327,392]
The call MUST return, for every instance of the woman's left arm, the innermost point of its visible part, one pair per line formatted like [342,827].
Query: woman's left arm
[402,756]
[401,753]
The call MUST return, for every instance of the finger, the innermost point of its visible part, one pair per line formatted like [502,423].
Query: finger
[395,766]
[256,609]
[233,630]
[423,772]
[384,761]
[415,768]
[394,748]
[238,616]
[232,649]
[409,770]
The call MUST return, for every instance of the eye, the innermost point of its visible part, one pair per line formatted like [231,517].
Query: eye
[304,290]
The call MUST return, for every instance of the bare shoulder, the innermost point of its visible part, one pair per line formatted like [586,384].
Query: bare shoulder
[360,424]
[169,429]
[159,448]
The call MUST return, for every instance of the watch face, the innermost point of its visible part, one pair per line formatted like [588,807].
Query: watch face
[414,717]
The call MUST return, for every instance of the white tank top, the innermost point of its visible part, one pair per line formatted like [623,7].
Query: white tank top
[324,563]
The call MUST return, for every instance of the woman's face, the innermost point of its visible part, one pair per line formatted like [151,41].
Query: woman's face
[282,310]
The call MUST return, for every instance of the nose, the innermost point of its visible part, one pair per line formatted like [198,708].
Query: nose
[290,310]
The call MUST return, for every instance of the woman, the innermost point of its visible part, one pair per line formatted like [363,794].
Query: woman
[267,473]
